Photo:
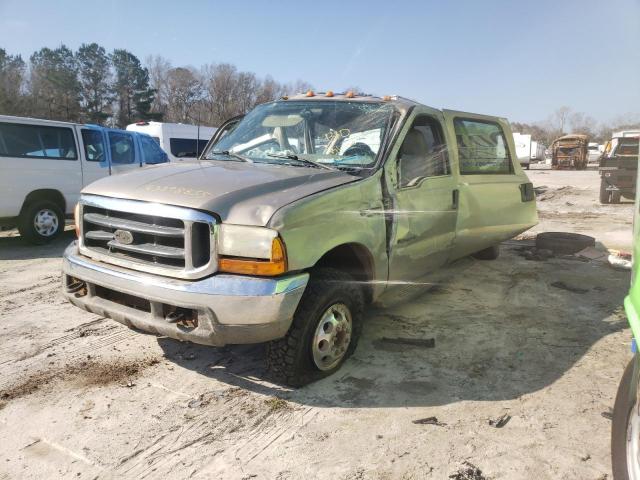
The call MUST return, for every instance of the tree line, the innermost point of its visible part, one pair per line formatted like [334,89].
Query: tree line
[115,88]
[565,121]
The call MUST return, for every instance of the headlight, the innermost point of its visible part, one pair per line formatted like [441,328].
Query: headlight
[250,251]
[76,219]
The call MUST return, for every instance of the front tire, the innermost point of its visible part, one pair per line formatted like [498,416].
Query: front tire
[605,195]
[324,331]
[625,428]
[615,196]
[41,222]
[490,253]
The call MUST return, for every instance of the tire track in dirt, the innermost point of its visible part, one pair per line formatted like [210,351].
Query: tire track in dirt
[237,416]
[8,368]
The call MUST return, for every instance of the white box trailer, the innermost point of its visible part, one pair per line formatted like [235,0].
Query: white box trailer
[523,148]
[181,141]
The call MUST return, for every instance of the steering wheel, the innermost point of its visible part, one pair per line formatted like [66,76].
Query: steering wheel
[360,149]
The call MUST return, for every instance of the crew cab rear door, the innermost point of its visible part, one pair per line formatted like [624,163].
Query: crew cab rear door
[496,199]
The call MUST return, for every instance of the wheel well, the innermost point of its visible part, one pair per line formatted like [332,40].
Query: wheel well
[354,259]
[46,194]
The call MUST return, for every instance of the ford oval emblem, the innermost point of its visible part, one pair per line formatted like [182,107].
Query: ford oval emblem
[123,236]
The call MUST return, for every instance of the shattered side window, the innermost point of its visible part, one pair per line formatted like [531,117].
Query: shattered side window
[482,148]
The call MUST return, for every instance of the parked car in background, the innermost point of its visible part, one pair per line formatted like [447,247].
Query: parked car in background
[523,148]
[180,141]
[44,164]
[569,152]
[619,170]
[293,220]
[593,154]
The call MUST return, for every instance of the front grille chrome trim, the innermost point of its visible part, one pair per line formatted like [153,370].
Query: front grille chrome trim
[187,215]
[132,226]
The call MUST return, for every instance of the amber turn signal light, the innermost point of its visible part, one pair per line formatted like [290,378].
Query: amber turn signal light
[76,219]
[276,265]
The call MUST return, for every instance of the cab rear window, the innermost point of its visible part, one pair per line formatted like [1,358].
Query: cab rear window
[37,141]
[482,148]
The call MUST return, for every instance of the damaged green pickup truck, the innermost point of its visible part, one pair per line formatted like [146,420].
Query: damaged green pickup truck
[295,218]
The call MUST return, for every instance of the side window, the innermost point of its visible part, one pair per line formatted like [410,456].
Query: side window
[423,152]
[36,141]
[153,154]
[122,149]
[93,145]
[482,148]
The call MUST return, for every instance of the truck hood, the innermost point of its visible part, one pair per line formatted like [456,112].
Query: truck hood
[238,192]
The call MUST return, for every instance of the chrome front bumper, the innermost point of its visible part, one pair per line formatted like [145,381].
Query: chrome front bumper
[231,309]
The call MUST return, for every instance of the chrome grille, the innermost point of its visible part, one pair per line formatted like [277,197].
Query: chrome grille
[155,238]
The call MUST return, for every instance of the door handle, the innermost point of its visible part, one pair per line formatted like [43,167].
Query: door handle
[455,198]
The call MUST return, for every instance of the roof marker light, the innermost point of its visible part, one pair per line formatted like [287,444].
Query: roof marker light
[350,94]
[329,93]
[310,93]
[386,98]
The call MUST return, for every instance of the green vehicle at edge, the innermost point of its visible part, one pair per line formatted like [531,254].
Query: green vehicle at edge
[625,430]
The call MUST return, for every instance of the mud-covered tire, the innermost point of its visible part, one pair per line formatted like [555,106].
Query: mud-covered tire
[27,226]
[563,242]
[625,400]
[290,359]
[616,196]
[605,195]
[490,253]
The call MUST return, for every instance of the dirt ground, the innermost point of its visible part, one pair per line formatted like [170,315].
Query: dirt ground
[521,379]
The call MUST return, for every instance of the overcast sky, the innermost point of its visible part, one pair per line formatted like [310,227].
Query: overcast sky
[517,59]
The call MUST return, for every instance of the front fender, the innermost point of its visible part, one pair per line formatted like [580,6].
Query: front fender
[352,213]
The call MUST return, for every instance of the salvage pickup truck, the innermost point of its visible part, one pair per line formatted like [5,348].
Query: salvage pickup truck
[294,219]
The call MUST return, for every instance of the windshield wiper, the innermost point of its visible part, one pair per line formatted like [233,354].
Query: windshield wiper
[231,154]
[295,158]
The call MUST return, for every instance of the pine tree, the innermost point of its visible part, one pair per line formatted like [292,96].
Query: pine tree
[94,71]
[134,96]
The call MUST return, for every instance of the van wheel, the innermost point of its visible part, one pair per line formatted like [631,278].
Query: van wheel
[604,193]
[490,253]
[41,222]
[625,427]
[324,331]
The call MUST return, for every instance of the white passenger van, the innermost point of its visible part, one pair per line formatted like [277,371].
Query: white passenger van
[44,164]
[179,140]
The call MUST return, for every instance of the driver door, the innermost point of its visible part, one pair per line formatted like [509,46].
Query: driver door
[425,198]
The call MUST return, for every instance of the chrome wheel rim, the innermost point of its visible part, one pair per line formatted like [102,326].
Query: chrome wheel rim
[332,337]
[46,222]
[633,443]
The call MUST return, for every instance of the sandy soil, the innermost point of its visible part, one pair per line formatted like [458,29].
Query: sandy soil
[84,397]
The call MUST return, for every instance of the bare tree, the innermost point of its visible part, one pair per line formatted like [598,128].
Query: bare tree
[582,123]
[158,68]
[559,119]
[184,90]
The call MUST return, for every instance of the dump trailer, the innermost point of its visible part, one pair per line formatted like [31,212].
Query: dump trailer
[570,152]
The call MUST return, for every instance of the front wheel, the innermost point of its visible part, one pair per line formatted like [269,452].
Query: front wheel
[490,253]
[324,331]
[41,222]
[605,195]
[625,428]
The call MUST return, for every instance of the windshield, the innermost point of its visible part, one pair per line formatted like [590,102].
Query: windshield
[332,133]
